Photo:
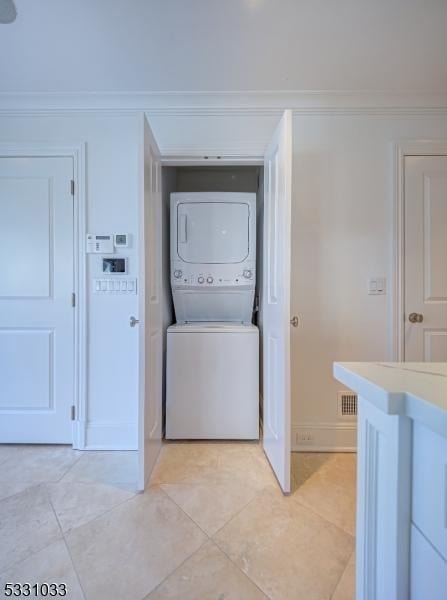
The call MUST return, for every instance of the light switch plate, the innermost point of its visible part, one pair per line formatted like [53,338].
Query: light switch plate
[115,285]
[377,286]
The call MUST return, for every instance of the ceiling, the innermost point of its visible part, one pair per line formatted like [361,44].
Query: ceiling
[226,45]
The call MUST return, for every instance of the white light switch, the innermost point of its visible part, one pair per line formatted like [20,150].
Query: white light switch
[377,286]
[112,287]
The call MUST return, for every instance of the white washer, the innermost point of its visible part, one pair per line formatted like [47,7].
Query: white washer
[212,381]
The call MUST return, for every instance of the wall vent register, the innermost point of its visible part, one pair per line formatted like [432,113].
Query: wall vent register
[347,405]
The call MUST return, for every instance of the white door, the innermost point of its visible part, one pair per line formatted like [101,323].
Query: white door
[276,301]
[425,258]
[36,313]
[213,232]
[151,318]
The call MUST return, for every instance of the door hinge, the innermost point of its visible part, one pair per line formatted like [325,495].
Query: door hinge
[72,187]
[73,299]
[73,412]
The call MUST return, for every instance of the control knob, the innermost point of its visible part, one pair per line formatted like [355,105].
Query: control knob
[201,279]
[178,274]
[248,274]
[209,279]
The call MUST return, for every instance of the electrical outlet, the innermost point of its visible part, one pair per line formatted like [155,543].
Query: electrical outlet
[305,436]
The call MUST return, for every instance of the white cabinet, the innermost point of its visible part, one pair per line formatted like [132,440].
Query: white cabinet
[429,505]
[402,479]
[212,380]
[428,570]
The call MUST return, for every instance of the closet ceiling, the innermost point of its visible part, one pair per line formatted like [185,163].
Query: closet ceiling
[178,45]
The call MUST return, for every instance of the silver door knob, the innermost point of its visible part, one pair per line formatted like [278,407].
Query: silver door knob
[415,317]
[133,321]
[294,321]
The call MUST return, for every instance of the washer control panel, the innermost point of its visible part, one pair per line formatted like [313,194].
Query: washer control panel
[181,278]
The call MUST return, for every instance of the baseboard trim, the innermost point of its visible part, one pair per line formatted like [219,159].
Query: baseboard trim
[110,436]
[324,437]
[302,448]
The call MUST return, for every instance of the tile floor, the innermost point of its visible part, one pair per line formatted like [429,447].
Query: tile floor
[212,524]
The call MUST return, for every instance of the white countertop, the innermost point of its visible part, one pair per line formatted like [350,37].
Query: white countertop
[417,390]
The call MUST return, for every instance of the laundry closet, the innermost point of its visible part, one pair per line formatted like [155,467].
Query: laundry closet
[214,298]
[212,230]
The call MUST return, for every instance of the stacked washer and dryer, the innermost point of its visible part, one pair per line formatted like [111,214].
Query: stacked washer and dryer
[212,389]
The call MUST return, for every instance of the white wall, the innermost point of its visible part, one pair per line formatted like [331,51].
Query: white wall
[255,45]
[112,146]
[343,194]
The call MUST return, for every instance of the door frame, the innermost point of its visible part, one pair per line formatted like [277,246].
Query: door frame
[77,152]
[179,161]
[417,147]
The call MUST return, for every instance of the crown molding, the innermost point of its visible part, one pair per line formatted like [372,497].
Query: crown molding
[242,104]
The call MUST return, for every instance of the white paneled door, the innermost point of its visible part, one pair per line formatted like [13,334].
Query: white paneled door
[151,317]
[276,301]
[425,258]
[36,312]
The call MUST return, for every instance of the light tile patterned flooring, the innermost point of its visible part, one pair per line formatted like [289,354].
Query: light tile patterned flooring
[211,526]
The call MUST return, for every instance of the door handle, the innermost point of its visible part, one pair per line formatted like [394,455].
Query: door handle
[294,321]
[133,321]
[183,229]
[415,317]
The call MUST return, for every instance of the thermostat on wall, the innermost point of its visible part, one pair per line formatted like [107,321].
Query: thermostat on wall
[121,240]
[100,243]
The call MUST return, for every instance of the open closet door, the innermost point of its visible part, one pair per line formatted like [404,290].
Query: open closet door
[150,307]
[276,301]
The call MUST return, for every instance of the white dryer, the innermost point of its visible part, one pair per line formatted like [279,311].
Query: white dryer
[213,256]
[212,381]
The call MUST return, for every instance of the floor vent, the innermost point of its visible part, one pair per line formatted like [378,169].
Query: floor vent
[347,405]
